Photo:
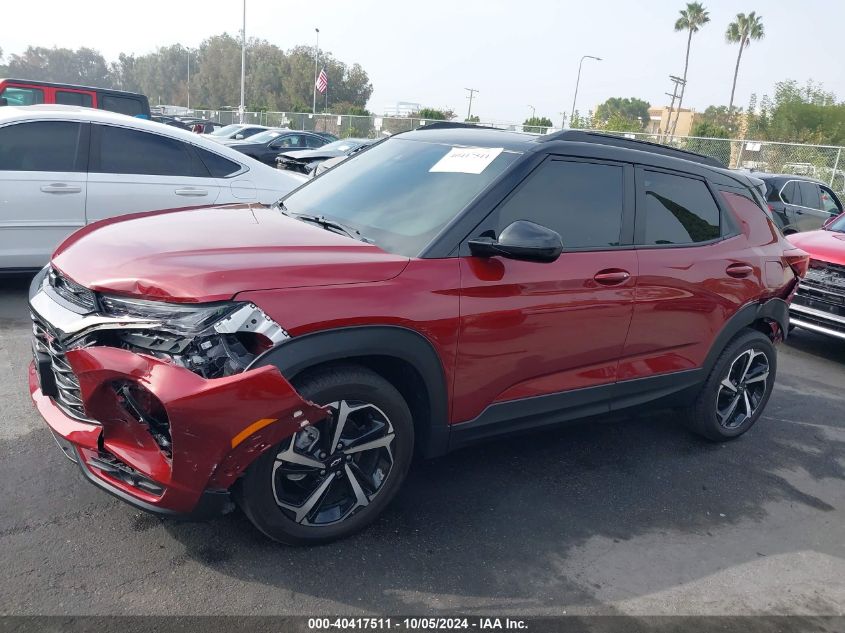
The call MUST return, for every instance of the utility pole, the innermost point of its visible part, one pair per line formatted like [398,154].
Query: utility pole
[316,71]
[243,65]
[677,81]
[563,120]
[471,92]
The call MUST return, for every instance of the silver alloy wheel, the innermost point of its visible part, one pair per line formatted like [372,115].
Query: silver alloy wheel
[742,389]
[332,469]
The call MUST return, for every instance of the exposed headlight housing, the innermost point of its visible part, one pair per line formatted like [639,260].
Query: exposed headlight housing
[211,339]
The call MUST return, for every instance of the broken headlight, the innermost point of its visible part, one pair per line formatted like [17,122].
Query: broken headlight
[211,339]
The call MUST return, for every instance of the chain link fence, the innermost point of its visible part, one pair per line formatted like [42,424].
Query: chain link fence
[823,162]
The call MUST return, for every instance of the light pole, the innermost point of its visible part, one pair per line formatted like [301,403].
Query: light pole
[533,111]
[578,81]
[316,70]
[243,65]
[189,79]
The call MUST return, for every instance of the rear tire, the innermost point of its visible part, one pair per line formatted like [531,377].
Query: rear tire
[737,390]
[324,484]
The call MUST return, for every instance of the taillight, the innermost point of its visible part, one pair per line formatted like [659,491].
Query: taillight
[798,261]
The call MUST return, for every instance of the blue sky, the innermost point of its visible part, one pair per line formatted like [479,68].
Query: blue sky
[516,53]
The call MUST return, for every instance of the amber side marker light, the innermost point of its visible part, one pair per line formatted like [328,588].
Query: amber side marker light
[252,428]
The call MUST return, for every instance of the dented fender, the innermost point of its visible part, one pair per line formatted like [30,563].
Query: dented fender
[218,427]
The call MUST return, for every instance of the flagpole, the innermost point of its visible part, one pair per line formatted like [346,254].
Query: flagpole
[316,70]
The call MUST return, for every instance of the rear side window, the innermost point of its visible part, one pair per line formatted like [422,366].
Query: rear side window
[41,146]
[66,97]
[678,210]
[124,151]
[583,202]
[217,166]
[314,142]
[123,105]
[22,96]
[790,193]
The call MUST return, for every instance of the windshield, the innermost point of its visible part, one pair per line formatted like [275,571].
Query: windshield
[226,130]
[393,193]
[838,224]
[342,146]
[265,137]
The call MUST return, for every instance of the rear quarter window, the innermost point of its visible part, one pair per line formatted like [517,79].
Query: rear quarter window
[123,105]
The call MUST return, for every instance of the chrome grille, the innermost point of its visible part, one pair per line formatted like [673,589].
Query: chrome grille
[69,396]
[71,291]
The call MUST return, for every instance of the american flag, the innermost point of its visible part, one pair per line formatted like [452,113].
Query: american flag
[322,81]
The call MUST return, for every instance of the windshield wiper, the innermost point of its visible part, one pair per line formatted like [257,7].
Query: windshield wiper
[329,225]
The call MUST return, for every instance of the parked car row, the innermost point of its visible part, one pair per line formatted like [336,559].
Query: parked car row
[62,167]
[444,286]
[306,161]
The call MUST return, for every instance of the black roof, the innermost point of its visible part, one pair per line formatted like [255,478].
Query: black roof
[468,134]
[784,177]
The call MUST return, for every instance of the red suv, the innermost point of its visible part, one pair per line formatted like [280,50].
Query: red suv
[444,286]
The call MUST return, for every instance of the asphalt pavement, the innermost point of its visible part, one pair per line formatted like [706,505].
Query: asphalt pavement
[624,515]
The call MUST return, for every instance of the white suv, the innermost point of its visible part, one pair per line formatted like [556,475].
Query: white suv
[62,167]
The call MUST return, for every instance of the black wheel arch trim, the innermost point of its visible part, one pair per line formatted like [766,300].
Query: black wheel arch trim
[775,309]
[303,352]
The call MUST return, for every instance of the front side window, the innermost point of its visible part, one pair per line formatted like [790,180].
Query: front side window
[393,193]
[124,151]
[286,141]
[22,96]
[581,201]
[829,202]
[40,146]
[678,210]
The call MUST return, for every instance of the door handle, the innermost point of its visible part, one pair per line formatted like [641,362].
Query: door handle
[739,270]
[612,276]
[191,191]
[60,187]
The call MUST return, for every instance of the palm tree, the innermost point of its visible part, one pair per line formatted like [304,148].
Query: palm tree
[692,19]
[741,31]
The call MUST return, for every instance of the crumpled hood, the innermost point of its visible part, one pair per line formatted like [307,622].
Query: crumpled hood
[828,246]
[214,253]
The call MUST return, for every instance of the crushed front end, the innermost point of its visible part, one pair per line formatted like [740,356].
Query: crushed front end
[154,401]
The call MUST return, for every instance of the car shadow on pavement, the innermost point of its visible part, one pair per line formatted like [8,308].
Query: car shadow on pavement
[493,526]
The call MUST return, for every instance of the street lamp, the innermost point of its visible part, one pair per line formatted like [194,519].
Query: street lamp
[316,70]
[533,111]
[578,81]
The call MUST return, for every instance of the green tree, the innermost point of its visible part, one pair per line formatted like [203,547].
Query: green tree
[472,119]
[692,18]
[741,31]
[633,111]
[433,114]
[539,124]
[709,130]
[81,66]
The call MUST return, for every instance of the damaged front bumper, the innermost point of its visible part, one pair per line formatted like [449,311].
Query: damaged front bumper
[180,441]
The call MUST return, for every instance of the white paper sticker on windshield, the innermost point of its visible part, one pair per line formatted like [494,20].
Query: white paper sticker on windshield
[467,160]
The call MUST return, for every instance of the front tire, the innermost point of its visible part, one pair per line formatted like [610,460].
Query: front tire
[737,389]
[335,477]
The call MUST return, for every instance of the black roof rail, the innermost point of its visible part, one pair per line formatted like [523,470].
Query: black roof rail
[581,136]
[446,125]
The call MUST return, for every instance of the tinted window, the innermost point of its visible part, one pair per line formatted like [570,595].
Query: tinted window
[678,210]
[810,195]
[40,146]
[74,98]
[124,105]
[581,201]
[217,166]
[293,140]
[22,96]
[124,151]
[790,193]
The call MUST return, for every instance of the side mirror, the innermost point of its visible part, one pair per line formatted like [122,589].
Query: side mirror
[522,240]
[239,136]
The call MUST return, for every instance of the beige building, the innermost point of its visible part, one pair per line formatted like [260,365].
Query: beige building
[659,120]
